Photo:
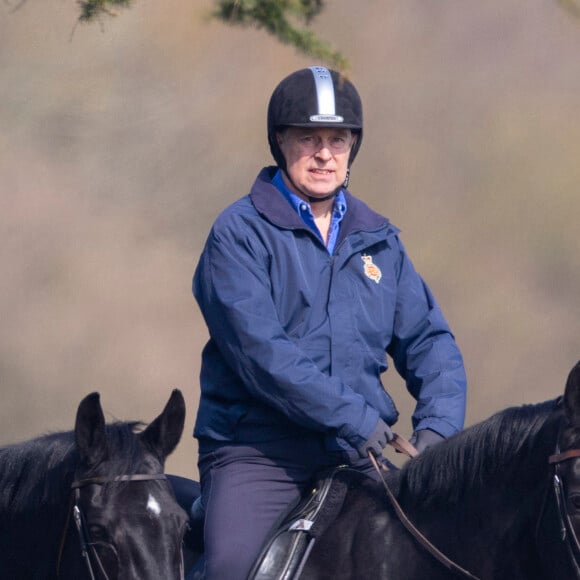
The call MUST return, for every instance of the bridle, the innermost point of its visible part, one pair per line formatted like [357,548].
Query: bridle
[567,533]
[88,551]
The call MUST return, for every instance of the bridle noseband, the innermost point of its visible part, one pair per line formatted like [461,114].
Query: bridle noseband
[88,550]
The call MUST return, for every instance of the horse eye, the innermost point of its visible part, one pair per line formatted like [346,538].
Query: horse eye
[575,500]
[98,533]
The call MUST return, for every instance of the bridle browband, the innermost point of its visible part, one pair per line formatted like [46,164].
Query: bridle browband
[563,456]
[87,547]
[101,480]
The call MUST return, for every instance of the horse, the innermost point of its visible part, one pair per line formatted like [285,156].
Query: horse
[93,503]
[497,501]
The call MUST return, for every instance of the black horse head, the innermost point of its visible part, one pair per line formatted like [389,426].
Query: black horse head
[93,502]
[559,529]
[570,470]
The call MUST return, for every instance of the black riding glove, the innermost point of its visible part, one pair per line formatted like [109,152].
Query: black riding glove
[425,438]
[377,440]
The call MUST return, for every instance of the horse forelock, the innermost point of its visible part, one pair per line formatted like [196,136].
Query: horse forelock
[126,453]
[510,447]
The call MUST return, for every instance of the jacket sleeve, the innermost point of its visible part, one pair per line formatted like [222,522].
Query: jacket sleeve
[232,287]
[426,355]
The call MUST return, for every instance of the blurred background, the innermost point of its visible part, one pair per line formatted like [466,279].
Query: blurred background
[120,142]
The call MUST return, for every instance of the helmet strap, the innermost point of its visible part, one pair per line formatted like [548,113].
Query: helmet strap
[326,198]
[347,178]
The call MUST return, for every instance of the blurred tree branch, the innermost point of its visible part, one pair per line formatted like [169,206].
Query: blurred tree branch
[275,16]
[93,9]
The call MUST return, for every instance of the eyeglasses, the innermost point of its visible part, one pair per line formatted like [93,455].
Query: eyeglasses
[310,143]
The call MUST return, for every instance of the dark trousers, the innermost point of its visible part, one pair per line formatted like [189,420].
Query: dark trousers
[245,490]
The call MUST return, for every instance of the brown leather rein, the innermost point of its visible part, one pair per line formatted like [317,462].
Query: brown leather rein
[403,446]
[87,548]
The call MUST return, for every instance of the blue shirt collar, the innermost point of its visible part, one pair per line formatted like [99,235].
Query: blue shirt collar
[304,210]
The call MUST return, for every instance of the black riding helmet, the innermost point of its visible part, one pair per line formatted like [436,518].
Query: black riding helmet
[314,97]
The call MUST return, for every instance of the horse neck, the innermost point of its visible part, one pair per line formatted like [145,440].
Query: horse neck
[484,487]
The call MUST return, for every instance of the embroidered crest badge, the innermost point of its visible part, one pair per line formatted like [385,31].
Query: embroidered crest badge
[371,270]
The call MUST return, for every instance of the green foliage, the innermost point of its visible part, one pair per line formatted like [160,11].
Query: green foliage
[276,17]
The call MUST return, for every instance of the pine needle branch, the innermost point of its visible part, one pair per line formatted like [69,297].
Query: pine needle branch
[275,17]
[92,10]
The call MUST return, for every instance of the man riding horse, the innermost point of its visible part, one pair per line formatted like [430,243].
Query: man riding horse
[305,291]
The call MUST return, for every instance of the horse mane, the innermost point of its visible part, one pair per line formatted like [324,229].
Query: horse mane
[38,472]
[506,447]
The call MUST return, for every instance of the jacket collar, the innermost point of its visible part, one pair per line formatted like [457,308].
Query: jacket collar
[270,203]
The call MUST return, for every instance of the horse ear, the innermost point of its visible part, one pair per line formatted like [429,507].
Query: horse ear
[90,430]
[572,396]
[163,434]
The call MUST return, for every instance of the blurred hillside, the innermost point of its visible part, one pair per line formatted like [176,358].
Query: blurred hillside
[120,143]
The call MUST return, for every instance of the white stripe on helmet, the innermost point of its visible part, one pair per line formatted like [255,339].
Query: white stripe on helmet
[325,95]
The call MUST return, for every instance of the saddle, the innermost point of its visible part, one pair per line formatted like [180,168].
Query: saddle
[285,553]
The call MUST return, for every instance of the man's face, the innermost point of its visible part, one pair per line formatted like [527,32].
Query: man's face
[316,159]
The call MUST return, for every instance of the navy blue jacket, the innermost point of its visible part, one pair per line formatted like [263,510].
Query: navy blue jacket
[299,338]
